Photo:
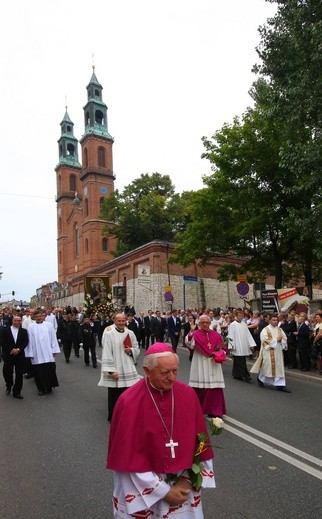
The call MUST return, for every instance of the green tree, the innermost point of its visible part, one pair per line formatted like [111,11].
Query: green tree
[291,61]
[148,209]
[263,200]
[244,207]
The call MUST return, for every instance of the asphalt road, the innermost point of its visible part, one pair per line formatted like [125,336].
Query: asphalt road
[53,450]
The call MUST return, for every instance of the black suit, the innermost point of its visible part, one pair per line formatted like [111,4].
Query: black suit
[141,337]
[289,328]
[158,327]
[304,346]
[174,329]
[134,327]
[13,362]
[147,324]
[64,334]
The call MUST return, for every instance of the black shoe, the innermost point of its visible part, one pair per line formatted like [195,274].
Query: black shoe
[8,391]
[20,397]
[95,366]
[87,364]
[41,393]
[238,378]
[283,388]
[77,356]
[67,361]
[249,380]
[260,383]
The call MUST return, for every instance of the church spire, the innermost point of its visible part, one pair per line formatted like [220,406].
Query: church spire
[67,143]
[95,110]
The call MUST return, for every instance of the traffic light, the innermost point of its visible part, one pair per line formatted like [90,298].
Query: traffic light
[13,292]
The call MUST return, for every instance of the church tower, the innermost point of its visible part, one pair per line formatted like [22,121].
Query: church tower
[68,173]
[97,175]
[81,190]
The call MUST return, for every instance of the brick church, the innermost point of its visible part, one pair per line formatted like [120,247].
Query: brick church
[81,189]
[139,278]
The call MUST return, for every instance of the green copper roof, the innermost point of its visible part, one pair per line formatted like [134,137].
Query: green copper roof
[69,160]
[66,118]
[94,80]
[97,129]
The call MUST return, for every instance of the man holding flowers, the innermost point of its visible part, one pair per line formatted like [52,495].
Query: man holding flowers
[159,447]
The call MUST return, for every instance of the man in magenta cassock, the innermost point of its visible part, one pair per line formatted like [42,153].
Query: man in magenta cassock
[206,375]
[153,434]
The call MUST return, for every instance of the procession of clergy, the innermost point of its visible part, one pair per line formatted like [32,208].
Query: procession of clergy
[153,470]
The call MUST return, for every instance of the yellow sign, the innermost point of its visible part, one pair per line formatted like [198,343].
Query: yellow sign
[241,277]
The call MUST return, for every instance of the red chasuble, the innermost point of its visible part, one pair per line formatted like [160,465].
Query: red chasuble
[137,441]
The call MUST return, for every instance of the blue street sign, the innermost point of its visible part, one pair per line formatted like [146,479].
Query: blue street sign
[190,280]
[242,288]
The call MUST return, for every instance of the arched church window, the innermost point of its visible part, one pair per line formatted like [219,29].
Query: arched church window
[59,183]
[86,246]
[102,199]
[104,245]
[101,156]
[76,237]
[86,207]
[72,183]
[87,119]
[85,157]
[60,225]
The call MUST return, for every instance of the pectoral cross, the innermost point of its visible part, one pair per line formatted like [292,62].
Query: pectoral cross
[172,445]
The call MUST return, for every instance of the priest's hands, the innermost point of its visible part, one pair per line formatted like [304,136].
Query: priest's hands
[178,493]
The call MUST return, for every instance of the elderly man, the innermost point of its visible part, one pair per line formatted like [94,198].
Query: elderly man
[154,435]
[206,376]
[120,352]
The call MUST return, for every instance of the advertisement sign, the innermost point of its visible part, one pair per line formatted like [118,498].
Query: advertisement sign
[289,299]
[269,301]
[284,300]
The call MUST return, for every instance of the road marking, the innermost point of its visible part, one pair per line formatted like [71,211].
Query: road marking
[272,450]
[276,442]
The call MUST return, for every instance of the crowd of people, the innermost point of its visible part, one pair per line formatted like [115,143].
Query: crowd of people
[169,428]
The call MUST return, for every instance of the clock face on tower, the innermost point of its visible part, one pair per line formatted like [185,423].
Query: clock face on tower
[103,190]
[85,191]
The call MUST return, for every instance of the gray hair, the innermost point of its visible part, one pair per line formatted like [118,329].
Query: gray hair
[150,361]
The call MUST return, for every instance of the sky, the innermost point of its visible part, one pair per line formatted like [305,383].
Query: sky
[172,72]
